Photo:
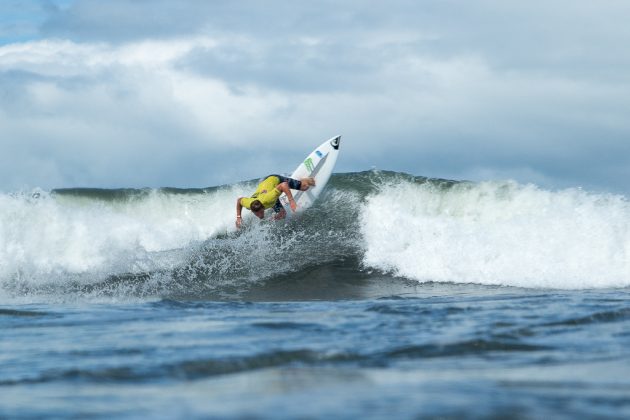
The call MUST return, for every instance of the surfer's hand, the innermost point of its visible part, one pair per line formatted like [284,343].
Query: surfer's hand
[293,205]
[238,222]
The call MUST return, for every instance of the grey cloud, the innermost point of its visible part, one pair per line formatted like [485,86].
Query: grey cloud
[565,38]
[292,67]
[536,31]
[536,90]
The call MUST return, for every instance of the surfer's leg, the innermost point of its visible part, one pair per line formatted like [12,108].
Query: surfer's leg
[294,184]
[297,184]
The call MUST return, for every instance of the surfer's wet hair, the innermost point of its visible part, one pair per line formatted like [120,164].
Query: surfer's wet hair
[256,206]
[306,183]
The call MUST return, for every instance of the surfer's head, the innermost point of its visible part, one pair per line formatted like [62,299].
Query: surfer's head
[306,183]
[257,208]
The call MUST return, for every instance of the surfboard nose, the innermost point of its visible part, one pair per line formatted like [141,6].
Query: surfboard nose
[334,142]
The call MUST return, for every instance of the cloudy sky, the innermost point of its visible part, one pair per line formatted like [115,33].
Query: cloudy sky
[133,93]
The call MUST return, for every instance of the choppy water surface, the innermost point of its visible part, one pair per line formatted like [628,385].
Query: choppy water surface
[402,297]
[433,350]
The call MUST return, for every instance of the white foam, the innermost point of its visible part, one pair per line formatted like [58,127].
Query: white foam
[54,238]
[499,233]
[63,247]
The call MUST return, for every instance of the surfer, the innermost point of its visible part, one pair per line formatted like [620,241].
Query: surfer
[267,195]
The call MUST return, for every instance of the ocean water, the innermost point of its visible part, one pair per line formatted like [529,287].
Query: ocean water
[395,296]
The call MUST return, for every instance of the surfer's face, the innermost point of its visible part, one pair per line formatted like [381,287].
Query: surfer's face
[260,213]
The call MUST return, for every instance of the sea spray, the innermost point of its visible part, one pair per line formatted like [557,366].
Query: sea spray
[498,233]
[82,244]
[47,237]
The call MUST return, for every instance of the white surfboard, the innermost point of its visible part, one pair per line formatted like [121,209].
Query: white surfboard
[319,164]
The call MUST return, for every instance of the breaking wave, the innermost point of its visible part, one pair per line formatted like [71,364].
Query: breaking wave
[129,243]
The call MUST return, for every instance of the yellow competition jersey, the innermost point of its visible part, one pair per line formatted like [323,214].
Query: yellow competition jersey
[266,193]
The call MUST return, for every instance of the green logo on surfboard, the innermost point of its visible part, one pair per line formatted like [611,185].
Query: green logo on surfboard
[309,164]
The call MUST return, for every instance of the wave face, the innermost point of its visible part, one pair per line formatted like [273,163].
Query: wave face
[161,243]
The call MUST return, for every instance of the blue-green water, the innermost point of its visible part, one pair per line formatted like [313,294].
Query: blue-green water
[431,350]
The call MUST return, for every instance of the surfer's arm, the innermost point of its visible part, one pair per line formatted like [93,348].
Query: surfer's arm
[284,187]
[239,209]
